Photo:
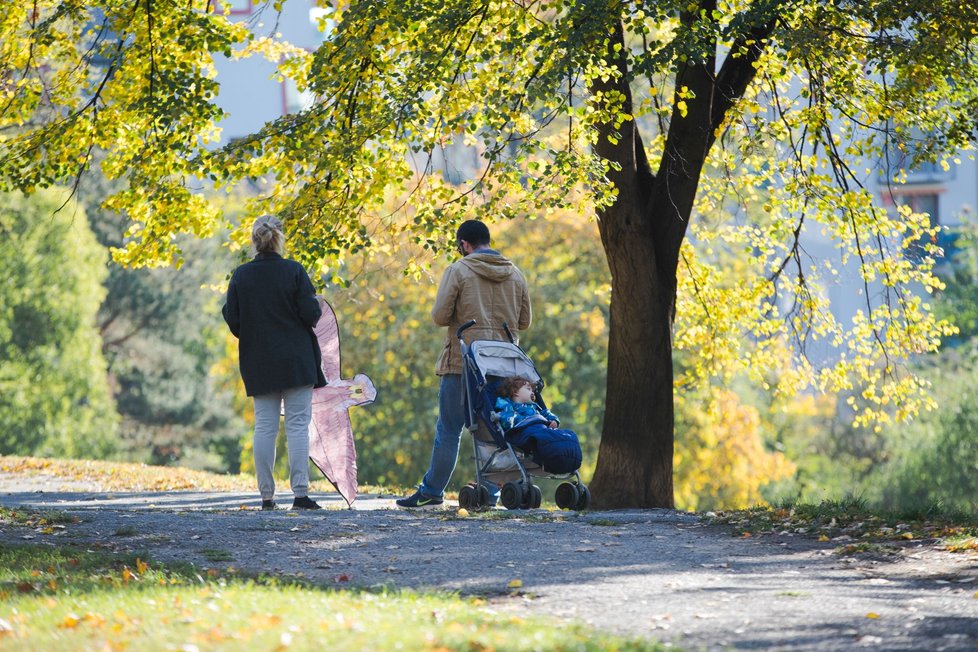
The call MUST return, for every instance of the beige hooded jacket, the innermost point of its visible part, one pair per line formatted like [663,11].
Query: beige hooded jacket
[485,287]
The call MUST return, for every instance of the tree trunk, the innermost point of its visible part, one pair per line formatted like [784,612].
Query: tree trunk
[642,233]
[634,467]
[635,456]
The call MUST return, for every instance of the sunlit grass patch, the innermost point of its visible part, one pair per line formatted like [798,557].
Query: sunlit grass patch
[61,600]
[961,543]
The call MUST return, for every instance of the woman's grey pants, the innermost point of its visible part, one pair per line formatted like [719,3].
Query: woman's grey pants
[298,413]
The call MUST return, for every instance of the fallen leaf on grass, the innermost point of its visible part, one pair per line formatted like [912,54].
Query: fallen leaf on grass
[70,622]
[265,621]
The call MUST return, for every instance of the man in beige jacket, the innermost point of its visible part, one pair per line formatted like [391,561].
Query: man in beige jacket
[486,288]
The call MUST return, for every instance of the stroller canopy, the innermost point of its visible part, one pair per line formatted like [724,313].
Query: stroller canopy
[502,359]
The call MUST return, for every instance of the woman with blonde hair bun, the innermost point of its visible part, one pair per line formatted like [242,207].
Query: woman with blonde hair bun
[272,308]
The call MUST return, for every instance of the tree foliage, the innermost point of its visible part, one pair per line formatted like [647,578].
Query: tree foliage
[54,392]
[666,120]
[162,335]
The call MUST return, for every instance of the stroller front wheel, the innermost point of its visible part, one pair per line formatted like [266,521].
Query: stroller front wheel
[567,496]
[512,495]
[468,497]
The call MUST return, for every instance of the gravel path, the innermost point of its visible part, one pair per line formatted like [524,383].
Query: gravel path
[660,574]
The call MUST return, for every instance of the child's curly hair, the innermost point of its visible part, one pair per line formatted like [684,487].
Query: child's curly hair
[511,385]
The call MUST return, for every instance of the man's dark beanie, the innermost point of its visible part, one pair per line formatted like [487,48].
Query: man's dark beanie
[474,232]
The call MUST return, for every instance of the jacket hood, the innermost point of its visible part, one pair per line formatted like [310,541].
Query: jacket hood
[491,267]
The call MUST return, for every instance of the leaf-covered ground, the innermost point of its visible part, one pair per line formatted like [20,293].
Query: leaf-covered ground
[123,476]
[855,528]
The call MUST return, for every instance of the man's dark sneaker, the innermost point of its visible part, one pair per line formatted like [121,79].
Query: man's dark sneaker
[267,505]
[420,499]
[305,502]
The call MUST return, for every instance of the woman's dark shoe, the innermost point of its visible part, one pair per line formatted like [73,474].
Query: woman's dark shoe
[305,502]
[267,505]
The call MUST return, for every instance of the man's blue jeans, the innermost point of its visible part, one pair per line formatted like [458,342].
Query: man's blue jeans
[448,431]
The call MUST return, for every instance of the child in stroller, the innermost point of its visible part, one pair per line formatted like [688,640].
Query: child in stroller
[502,466]
[534,428]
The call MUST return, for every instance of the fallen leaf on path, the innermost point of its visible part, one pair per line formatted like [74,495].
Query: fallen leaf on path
[514,584]
[873,615]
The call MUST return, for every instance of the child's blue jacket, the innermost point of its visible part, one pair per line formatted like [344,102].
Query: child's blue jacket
[512,414]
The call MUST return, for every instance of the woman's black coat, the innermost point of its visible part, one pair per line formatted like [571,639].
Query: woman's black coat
[272,308]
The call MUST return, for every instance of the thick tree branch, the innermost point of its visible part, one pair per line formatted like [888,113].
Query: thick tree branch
[622,146]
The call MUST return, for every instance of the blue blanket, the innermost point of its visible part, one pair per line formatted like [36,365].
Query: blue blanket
[555,449]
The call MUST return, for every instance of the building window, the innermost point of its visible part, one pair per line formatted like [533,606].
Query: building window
[901,155]
[294,101]
[922,202]
[237,7]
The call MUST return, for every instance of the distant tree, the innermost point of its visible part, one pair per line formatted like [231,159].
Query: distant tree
[54,392]
[162,334]
[934,461]
[722,460]
[619,107]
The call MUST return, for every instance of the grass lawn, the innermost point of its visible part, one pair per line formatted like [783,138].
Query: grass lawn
[72,597]
[76,599]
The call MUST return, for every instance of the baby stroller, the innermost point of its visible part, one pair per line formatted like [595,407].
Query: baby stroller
[485,364]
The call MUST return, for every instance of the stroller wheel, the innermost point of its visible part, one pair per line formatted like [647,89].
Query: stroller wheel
[584,500]
[567,496]
[536,498]
[486,498]
[468,497]
[511,495]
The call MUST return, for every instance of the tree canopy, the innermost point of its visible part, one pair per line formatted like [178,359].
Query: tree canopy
[693,131]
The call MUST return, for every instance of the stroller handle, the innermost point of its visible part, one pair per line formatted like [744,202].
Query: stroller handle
[469,324]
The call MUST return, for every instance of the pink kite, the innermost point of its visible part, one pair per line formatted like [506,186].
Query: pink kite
[331,446]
